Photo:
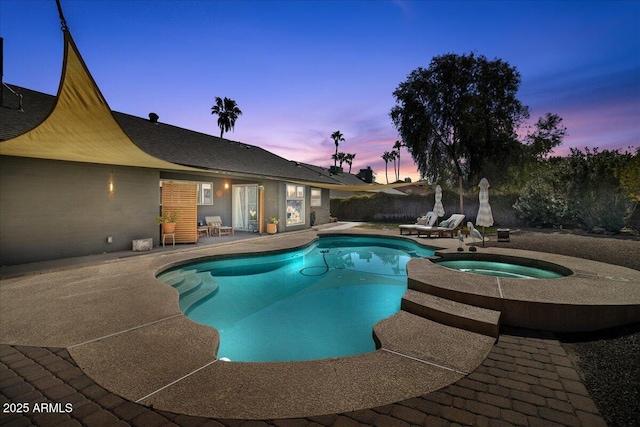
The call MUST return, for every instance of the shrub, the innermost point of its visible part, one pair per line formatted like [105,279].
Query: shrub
[539,204]
[606,208]
[583,188]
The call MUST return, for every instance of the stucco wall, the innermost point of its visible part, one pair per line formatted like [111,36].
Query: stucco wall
[323,212]
[53,209]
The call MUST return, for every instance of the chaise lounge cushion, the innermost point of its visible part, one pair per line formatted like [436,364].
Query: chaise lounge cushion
[428,220]
[449,226]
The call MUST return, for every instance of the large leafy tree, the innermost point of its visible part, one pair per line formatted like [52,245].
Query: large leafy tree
[228,112]
[459,115]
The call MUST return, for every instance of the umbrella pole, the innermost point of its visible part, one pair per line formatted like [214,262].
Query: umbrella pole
[483,236]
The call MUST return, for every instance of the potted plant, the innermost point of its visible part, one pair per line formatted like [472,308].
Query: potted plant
[272,225]
[168,221]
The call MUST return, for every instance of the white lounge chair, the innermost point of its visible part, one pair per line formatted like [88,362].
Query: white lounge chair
[428,220]
[449,226]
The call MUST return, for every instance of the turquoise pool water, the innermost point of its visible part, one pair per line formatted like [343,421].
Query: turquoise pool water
[500,269]
[318,302]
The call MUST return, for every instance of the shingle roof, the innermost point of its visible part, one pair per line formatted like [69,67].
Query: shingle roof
[186,147]
[36,106]
[166,142]
[339,178]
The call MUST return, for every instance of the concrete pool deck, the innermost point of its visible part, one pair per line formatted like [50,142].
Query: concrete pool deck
[127,333]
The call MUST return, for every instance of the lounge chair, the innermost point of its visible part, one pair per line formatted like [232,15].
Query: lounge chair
[428,220]
[449,226]
[216,226]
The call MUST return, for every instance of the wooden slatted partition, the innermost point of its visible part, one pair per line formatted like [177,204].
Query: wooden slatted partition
[183,199]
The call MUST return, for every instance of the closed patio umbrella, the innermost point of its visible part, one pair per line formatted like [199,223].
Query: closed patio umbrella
[485,217]
[438,209]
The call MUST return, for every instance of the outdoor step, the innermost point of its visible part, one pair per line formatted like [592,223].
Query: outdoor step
[207,287]
[452,313]
[171,278]
[175,277]
[190,281]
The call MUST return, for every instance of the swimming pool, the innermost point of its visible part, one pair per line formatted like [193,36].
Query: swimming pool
[312,303]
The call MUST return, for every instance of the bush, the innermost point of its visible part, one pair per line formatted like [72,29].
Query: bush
[539,204]
[602,208]
[583,189]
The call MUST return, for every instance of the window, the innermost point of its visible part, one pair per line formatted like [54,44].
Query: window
[295,204]
[205,193]
[316,197]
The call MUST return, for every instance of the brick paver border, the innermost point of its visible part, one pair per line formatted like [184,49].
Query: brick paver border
[526,380]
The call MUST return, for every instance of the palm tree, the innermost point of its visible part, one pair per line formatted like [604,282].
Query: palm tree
[393,155]
[349,160]
[386,157]
[227,111]
[397,147]
[337,137]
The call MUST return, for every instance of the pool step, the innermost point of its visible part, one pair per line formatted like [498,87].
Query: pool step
[207,286]
[452,313]
[174,277]
[190,281]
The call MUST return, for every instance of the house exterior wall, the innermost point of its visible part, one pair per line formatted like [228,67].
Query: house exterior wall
[323,212]
[54,209]
[273,196]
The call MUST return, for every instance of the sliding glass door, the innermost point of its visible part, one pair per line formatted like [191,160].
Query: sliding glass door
[245,207]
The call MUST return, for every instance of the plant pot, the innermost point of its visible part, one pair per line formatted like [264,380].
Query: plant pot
[272,228]
[168,228]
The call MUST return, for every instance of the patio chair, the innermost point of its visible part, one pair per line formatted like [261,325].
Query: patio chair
[428,220]
[217,227]
[449,226]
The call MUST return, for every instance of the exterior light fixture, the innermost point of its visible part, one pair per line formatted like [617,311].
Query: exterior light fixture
[226,185]
[112,188]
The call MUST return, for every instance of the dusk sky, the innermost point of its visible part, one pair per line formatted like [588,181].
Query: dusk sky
[300,70]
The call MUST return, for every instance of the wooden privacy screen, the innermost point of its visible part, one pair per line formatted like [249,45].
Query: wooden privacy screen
[182,198]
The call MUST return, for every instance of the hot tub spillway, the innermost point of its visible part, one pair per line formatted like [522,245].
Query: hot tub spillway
[192,286]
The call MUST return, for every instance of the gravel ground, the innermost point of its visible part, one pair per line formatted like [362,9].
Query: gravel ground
[621,249]
[609,360]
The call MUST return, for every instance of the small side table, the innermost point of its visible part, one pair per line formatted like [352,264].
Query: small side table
[204,231]
[503,234]
[173,238]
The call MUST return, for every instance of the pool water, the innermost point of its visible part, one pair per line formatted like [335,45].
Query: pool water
[500,269]
[318,302]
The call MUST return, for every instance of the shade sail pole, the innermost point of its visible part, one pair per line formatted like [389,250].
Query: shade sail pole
[63,22]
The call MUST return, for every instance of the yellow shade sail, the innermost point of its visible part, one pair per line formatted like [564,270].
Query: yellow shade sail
[81,128]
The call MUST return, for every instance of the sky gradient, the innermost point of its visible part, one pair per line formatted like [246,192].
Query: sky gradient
[300,70]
